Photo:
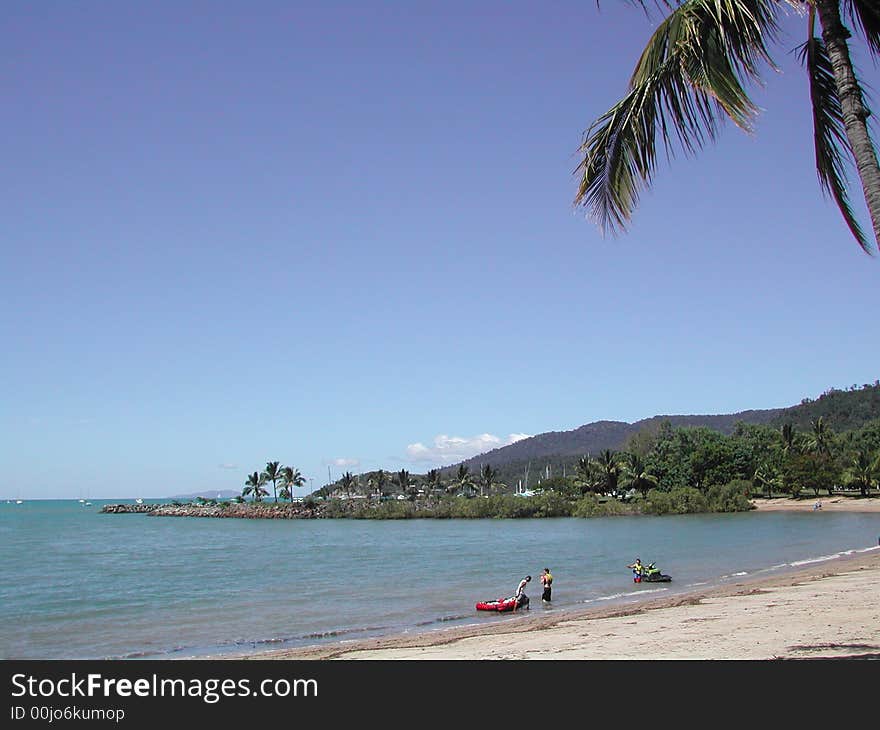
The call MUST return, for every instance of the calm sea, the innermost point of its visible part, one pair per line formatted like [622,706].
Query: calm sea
[77,584]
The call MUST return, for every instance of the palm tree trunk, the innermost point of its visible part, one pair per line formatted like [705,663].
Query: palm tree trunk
[834,34]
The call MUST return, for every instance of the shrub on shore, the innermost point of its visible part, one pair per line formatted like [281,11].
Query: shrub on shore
[501,506]
[591,506]
[392,510]
[730,497]
[681,501]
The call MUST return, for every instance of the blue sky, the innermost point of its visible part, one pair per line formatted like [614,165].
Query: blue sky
[340,235]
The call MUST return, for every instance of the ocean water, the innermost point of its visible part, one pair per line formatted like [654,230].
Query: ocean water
[77,584]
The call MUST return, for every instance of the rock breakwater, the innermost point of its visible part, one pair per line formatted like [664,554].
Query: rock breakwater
[121,509]
[272,511]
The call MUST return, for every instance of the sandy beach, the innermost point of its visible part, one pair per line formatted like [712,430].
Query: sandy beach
[829,609]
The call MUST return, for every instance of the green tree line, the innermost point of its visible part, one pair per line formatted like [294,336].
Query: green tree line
[670,470]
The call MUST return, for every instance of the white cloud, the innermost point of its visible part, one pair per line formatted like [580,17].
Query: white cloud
[450,449]
[229,466]
[342,462]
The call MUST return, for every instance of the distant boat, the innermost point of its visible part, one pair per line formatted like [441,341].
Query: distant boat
[82,501]
[139,501]
[18,501]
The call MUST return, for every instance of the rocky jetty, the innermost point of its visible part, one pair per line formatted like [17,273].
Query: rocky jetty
[121,509]
[247,510]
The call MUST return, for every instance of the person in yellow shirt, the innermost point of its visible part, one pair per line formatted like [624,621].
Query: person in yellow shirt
[638,570]
[546,581]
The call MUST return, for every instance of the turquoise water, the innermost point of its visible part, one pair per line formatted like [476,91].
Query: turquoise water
[77,584]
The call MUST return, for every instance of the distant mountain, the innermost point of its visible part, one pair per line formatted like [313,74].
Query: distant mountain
[208,494]
[557,451]
[594,437]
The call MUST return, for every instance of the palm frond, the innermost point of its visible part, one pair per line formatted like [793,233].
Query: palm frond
[829,136]
[646,4]
[865,15]
[690,75]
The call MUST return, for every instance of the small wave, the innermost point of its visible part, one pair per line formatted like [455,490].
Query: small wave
[826,558]
[337,632]
[148,653]
[810,561]
[441,620]
[652,590]
[329,634]
[134,655]
[634,596]
[820,558]
[332,634]
[611,597]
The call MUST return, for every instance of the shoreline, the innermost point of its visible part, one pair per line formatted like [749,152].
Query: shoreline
[834,503]
[829,609]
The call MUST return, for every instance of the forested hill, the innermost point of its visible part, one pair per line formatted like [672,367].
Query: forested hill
[594,437]
[842,410]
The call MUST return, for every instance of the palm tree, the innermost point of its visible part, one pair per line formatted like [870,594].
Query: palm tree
[820,440]
[290,478]
[636,475]
[349,483]
[585,472]
[768,478]
[692,74]
[403,481]
[254,485]
[488,477]
[463,482]
[863,470]
[435,481]
[378,482]
[789,438]
[272,473]
[609,465]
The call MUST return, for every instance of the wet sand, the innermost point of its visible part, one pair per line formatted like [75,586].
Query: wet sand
[829,609]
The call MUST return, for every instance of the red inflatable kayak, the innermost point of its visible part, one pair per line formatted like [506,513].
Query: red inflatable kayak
[499,604]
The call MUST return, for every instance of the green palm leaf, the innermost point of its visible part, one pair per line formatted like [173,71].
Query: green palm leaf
[690,75]
[829,137]
[865,15]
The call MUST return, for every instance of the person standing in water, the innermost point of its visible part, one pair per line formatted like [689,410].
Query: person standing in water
[521,598]
[546,581]
[637,569]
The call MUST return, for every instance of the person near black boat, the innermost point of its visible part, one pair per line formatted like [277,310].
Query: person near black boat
[638,570]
